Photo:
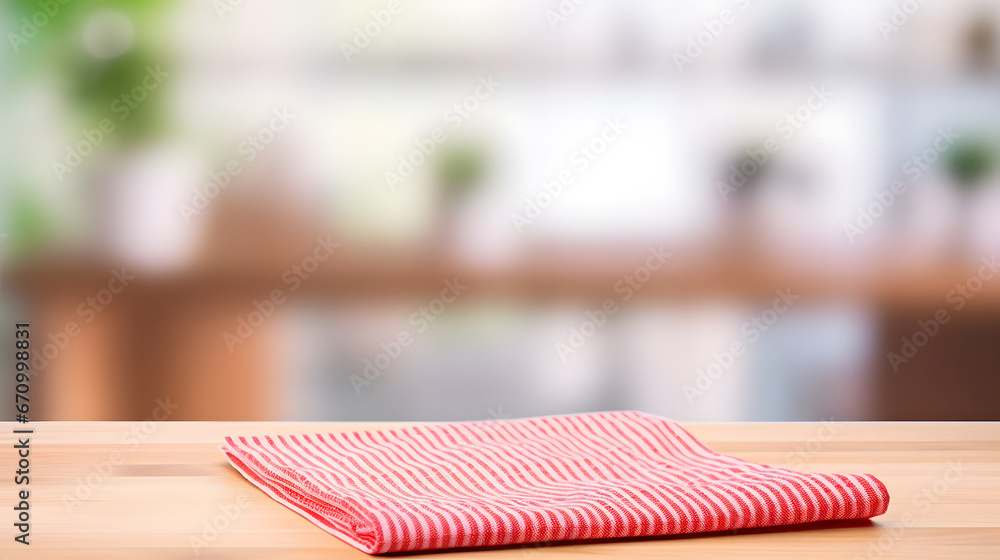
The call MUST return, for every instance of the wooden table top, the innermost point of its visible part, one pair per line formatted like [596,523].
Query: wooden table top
[164,490]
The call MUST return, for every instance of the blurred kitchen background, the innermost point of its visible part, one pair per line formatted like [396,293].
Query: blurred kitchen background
[238,133]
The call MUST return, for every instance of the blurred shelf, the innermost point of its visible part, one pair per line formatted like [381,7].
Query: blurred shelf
[556,274]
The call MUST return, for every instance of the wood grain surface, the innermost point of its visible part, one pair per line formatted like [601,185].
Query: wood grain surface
[117,490]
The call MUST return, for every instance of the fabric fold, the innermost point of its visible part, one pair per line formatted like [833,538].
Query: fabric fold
[587,476]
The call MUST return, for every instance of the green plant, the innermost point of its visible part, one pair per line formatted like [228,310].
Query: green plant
[27,222]
[969,161]
[459,168]
[91,85]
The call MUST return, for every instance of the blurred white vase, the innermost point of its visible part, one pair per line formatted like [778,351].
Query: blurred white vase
[144,226]
[983,232]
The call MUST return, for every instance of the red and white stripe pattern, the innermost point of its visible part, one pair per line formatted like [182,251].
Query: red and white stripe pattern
[590,476]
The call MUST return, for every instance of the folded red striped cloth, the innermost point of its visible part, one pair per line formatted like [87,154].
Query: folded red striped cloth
[588,476]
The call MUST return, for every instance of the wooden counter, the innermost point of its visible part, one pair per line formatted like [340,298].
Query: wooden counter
[169,485]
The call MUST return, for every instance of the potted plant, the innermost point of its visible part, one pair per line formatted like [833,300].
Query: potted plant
[968,163]
[459,168]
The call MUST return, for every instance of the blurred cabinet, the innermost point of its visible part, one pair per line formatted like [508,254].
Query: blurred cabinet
[163,337]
